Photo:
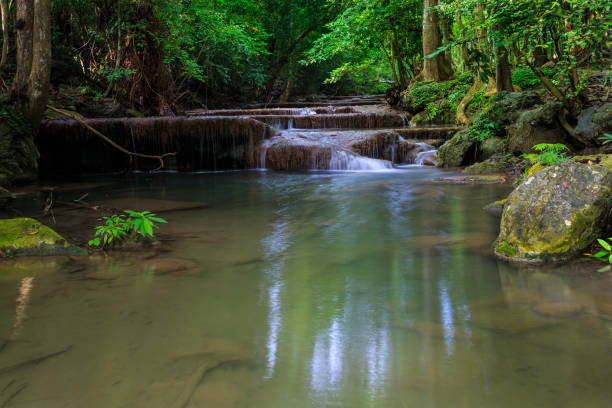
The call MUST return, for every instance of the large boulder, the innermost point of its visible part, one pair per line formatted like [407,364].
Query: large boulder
[505,107]
[460,150]
[535,126]
[594,122]
[26,236]
[555,213]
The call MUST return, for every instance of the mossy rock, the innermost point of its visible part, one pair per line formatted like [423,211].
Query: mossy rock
[603,160]
[18,153]
[534,169]
[534,127]
[460,150]
[556,213]
[26,236]
[594,122]
[496,164]
[505,107]
[496,207]
[491,147]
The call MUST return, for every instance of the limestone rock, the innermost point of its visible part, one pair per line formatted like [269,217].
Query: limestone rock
[535,126]
[555,213]
[491,147]
[505,107]
[26,236]
[594,122]
[496,164]
[496,207]
[457,151]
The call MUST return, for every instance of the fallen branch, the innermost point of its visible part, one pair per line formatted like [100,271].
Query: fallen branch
[109,141]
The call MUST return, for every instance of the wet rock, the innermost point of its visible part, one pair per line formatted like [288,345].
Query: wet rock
[163,266]
[26,236]
[559,309]
[594,122]
[496,207]
[534,127]
[478,179]
[555,213]
[490,147]
[460,150]
[509,320]
[496,164]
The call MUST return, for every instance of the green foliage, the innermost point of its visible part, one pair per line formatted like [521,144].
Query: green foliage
[605,254]
[119,227]
[606,138]
[550,153]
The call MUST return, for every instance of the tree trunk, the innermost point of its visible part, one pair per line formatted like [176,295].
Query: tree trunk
[4,11]
[433,67]
[24,24]
[40,73]
[503,73]
[401,68]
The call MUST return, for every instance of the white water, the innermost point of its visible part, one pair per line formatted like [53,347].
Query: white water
[425,157]
[344,160]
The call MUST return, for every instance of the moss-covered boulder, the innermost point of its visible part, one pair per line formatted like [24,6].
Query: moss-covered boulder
[26,236]
[496,207]
[536,126]
[497,163]
[491,147]
[505,107]
[460,150]
[594,122]
[555,213]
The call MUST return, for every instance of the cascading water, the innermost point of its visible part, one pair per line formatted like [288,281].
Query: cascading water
[345,160]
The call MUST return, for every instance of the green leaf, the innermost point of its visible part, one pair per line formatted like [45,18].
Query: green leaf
[600,254]
[604,244]
[604,269]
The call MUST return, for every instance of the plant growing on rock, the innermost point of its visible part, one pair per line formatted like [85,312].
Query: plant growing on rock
[138,226]
[605,255]
[550,153]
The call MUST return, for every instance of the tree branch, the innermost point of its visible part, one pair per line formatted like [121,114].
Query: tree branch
[112,143]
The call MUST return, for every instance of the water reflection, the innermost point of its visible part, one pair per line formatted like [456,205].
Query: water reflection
[25,291]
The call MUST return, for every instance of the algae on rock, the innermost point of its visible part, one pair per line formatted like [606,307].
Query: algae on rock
[26,236]
[555,213]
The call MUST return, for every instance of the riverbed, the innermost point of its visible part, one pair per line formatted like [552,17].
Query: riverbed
[303,289]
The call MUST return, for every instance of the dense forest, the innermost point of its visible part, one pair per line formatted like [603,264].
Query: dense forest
[162,57]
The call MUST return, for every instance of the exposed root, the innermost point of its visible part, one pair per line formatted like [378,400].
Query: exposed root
[115,145]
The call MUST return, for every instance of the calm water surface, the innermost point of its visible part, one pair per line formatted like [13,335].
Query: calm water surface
[309,290]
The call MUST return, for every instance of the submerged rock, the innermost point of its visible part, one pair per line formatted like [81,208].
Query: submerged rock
[496,207]
[26,236]
[162,266]
[555,213]
[558,309]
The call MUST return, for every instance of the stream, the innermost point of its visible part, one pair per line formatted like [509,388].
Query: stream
[369,288]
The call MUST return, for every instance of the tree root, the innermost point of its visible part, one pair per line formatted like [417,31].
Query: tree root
[115,145]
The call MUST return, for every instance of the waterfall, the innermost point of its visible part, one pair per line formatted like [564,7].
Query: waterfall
[345,160]
[426,158]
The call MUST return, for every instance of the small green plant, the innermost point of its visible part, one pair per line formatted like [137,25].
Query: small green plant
[605,255]
[119,227]
[550,153]
[606,138]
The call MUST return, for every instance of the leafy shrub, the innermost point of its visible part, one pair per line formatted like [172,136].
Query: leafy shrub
[604,255]
[525,78]
[606,138]
[551,153]
[120,227]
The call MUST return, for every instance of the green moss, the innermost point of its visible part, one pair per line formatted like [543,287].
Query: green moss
[26,236]
[504,248]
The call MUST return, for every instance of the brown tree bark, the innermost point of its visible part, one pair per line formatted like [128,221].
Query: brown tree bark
[32,77]
[503,73]
[24,24]
[4,11]
[434,68]
[40,73]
